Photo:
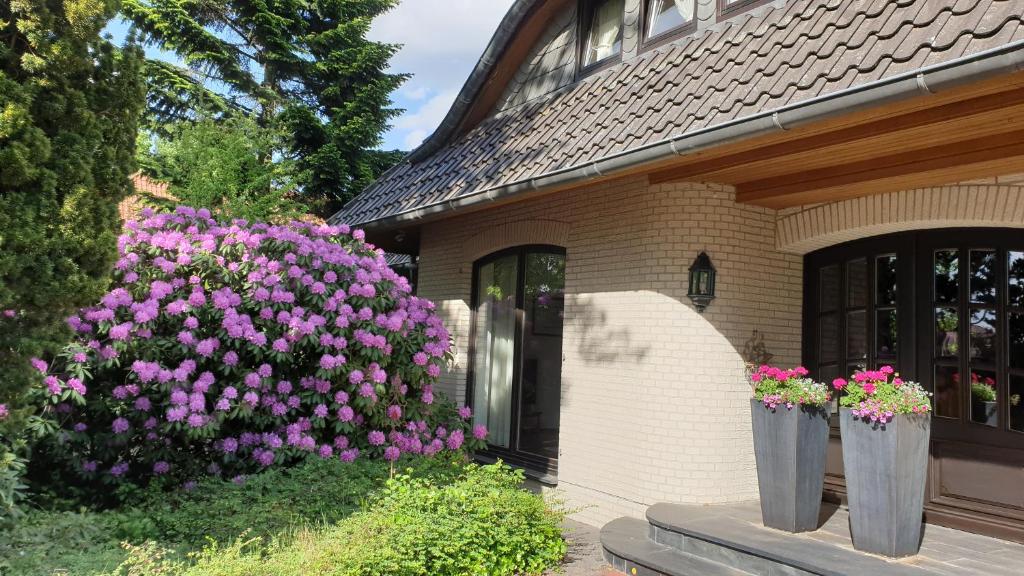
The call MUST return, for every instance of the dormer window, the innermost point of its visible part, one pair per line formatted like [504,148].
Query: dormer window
[602,39]
[669,18]
[727,8]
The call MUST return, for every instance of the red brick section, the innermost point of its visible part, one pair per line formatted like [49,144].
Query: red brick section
[130,207]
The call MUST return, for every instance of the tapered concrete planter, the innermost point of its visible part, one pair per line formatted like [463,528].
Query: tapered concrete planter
[790,446]
[885,469]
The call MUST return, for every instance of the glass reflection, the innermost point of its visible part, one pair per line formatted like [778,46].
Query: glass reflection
[983,276]
[829,281]
[856,283]
[984,398]
[1016,335]
[946,336]
[828,338]
[885,281]
[856,335]
[983,335]
[1017,403]
[947,391]
[947,273]
[885,334]
[1015,273]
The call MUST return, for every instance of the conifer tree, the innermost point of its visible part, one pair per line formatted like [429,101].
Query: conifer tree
[69,105]
[303,68]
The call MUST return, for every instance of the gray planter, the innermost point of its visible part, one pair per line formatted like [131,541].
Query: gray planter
[885,469]
[790,446]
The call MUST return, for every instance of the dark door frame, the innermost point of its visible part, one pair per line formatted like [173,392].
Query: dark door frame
[916,342]
[512,455]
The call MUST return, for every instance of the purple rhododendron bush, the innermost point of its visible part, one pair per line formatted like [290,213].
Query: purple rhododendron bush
[229,348]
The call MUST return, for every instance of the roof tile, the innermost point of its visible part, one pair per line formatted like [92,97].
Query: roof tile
[762,60]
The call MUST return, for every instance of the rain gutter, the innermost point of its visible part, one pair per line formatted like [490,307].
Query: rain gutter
[933,79]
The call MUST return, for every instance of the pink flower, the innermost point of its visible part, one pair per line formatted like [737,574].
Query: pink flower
[839,383]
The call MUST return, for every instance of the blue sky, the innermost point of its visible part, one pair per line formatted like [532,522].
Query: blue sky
[442,40]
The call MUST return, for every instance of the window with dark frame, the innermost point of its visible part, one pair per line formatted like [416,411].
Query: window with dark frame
[601,33]
[728,8]
[665,20]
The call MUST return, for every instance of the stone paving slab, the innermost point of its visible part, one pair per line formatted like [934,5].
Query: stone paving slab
[584,557]
[943,551]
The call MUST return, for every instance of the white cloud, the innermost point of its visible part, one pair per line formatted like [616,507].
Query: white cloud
[415,93]
[442,41]
[415,125]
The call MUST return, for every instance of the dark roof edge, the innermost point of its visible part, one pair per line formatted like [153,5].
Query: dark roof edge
[499,42]
[1004,59]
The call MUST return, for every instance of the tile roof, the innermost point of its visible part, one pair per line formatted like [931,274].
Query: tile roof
[758,61]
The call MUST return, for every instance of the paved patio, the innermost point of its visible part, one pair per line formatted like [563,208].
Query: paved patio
[584,557]
[733,536]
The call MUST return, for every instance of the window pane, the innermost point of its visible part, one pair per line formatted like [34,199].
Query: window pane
[984,404]
[494,347]
[605,37]
[983,336]
[886,334]
[856,335]
[947,342]
[885,281]
[829,281]
[1015,270]
[669,14]
[828,338]
[1017,403]
[983,276]
[1016,348]
[540,394]
[947,272]
[947,391]
[856,283]
[828,374]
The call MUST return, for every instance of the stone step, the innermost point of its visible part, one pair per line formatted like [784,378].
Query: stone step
[728,540]
[628,549]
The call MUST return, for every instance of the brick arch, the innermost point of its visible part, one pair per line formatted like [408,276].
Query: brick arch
[516,233]
[988,204]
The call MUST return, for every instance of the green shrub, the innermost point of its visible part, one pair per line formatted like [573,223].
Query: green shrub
[276,501]
[75,543]
[272,506]
[481,524]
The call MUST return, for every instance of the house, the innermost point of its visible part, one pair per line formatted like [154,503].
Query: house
[852,170]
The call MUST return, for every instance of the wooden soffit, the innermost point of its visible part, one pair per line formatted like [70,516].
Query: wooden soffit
[961,134]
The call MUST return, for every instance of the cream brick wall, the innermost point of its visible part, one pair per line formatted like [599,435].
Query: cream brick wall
[992,202]
[654,400]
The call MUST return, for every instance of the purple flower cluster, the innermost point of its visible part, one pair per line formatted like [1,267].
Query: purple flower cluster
[227,348]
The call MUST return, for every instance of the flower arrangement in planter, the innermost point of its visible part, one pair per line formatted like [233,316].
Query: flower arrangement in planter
[984,408]
[885,423]
[790,425]
[776,387]
[879,395]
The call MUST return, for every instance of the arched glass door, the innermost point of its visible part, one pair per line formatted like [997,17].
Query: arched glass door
[515,375]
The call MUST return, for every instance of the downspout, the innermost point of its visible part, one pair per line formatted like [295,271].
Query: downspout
[1004,59]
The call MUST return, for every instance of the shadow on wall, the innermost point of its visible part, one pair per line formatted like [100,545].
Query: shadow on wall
[598,341]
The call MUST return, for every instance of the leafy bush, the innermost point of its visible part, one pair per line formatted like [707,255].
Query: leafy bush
[483,523]
[226,349]
[272,505]
[277,501]
[44,543]
[224,164]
